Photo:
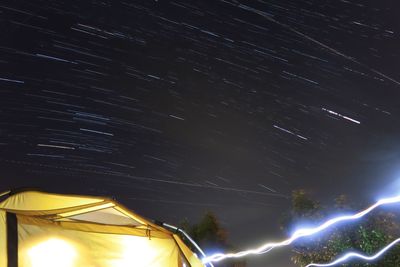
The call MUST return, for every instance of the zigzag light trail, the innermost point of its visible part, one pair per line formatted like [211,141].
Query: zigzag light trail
[301,233]
[351,255]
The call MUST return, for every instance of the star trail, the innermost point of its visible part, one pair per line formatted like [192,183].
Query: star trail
[189,106]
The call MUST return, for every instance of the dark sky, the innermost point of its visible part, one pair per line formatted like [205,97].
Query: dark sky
[179,107]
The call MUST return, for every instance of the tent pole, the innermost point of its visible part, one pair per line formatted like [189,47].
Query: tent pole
[188,237]
[12,239]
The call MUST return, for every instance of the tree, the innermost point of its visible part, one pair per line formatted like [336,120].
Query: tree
[368,236]
[209,234]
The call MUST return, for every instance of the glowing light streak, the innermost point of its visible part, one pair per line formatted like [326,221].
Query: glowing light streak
[341,116]
[55,146]
[301,233]
[351,255]
[290,132]
[4,193]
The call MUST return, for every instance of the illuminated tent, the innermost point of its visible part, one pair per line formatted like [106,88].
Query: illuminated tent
[45,230]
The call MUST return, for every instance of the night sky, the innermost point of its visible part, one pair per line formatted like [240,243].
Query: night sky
[178,107]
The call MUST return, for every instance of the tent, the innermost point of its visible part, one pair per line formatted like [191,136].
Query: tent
[40,229]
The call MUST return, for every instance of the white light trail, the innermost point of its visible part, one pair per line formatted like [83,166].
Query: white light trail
[11,80]
[176,117]
[341,116]
[97,132]
[268,188]
[301,233]
[290,132]
[356,255]
[54,146]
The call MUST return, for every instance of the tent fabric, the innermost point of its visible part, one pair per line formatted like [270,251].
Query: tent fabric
[82,231]
[38,201]
[98,249]
[188,253]
[106,216]
[143,231]
[58,206]
[3,239]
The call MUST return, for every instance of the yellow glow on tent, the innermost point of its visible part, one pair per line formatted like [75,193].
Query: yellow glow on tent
[52,252]
[136,251]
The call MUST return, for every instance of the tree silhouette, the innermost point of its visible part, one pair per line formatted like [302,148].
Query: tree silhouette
[210,235]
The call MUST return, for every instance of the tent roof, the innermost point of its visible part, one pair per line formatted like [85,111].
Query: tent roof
[74,208]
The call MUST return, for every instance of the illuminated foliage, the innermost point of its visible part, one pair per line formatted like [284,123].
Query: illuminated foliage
[367,236]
